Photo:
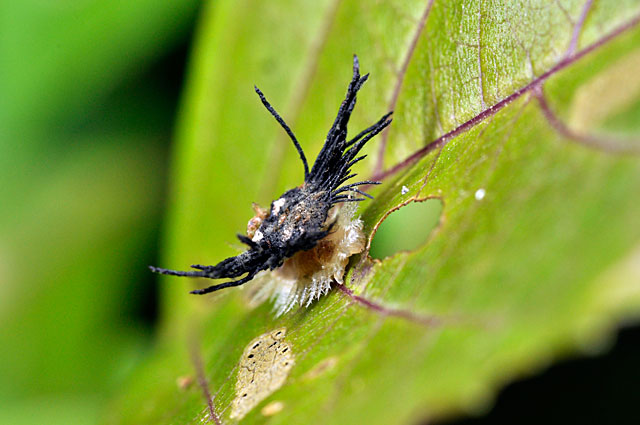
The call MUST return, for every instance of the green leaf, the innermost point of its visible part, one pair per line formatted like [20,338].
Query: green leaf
[83,131]
[521,118]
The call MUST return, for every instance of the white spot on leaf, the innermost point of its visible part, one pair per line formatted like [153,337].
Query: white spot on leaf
[272,408]
[480,193]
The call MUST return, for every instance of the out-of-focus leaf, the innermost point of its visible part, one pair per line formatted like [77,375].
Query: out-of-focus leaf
[59,329]
[536,252]
[82,143]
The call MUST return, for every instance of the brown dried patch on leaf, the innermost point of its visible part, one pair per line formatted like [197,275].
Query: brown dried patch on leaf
[263,368]
[321,368]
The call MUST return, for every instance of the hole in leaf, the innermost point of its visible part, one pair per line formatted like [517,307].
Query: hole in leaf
[406,229]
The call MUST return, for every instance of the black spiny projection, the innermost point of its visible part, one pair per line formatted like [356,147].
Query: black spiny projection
[299,219]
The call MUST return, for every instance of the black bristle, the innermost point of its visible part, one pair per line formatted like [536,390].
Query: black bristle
[298,219]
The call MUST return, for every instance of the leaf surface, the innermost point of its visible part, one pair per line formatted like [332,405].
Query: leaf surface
[510,113]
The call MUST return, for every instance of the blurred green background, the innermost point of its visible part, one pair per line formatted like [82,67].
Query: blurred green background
[89,92]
